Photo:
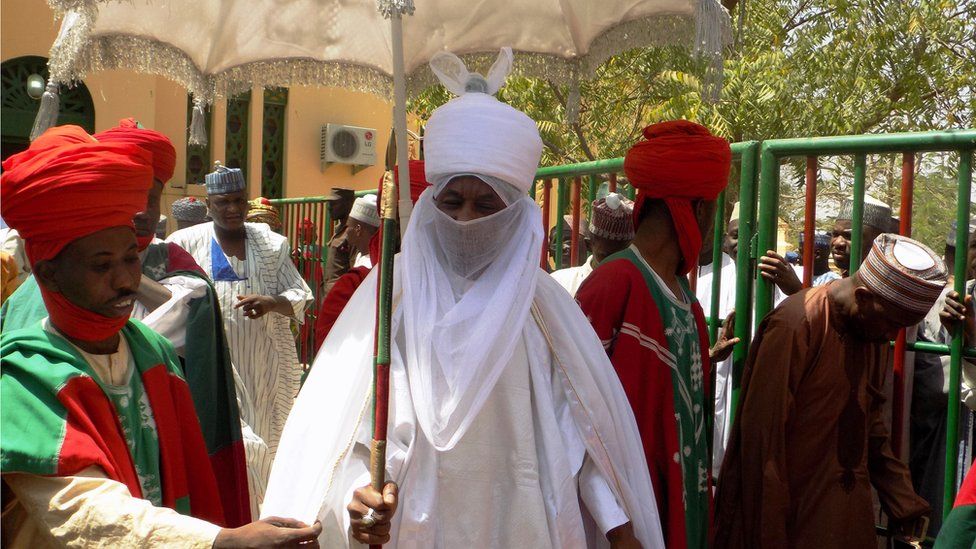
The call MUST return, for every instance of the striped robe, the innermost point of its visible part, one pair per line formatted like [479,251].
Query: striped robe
[263,350]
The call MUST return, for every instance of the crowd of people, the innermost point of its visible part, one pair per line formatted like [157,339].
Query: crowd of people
[151,392]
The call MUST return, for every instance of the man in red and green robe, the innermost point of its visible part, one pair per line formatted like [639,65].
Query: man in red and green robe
[99,439]
[641,307]
[195,321]
[189,317]
[62,419]
[959,528]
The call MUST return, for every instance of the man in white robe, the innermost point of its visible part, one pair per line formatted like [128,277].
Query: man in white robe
[769,264]
[260,293]
[508,426]
[726,304]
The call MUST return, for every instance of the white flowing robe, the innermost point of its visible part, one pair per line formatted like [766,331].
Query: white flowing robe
[556,431]
[262,350]
[723,370]
[572,278]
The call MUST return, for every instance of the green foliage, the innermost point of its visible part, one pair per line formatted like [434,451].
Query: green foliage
[797,68]
[934,208]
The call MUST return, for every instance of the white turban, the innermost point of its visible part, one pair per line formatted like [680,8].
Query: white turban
[476,133]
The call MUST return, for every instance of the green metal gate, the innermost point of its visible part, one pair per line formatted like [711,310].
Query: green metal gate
[307,223]
[859,146]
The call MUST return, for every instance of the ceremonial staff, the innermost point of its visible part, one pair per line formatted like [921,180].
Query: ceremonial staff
[384,309]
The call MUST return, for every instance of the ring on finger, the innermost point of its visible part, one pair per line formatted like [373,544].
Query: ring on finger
[369,519]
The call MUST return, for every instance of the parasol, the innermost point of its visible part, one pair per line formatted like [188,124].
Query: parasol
[217,48]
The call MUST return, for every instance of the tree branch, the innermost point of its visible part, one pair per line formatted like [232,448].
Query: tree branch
[803,21]
[555,91]
[576,127]
[584,144]
[558,151]
[952,50]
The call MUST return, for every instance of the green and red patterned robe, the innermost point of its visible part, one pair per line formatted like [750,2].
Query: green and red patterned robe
[56,419]
[659,348]
[959,528]
[206,363]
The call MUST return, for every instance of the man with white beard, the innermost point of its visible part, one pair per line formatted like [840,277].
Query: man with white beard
[508,426]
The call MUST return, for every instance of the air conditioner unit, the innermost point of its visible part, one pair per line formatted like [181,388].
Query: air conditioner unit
[348,145]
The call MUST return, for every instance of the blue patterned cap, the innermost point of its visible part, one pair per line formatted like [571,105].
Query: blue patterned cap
[820,240]
[225,180]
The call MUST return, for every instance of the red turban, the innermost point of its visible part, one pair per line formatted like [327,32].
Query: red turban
[163,153]
[58,195]
[679,161]
[418,182]
[53,137]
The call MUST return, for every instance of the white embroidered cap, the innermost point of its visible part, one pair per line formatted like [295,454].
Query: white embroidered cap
[364,210]
[904,272]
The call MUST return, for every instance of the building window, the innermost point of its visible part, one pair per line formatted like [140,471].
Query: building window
[238,116]
[198,157]
[273,142]
[24,79]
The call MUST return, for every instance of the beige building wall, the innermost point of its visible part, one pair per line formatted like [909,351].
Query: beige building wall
[28,27]
[311,108]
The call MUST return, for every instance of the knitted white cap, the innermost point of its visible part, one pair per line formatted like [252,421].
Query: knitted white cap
[613,218]
[364,210]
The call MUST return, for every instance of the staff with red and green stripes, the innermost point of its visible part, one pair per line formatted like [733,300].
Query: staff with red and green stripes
[381,363]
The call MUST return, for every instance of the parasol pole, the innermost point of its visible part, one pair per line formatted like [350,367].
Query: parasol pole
[405,206]
[394,9]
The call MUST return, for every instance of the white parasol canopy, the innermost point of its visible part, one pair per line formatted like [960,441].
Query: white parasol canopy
[217,48]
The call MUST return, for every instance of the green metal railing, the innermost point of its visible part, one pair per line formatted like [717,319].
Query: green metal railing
[310,253]
[307,223]
[909,144]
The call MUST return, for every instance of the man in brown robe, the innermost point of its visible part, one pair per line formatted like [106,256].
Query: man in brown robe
[809,439]
[340,251]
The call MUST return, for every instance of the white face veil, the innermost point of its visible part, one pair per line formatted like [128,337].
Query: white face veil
[467,290]
[468,286]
